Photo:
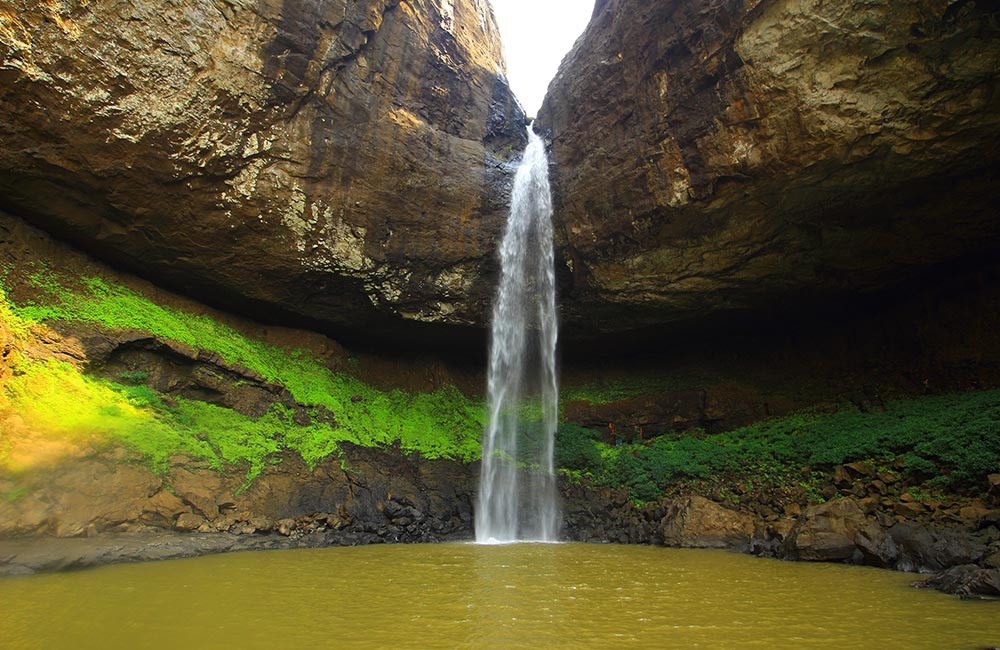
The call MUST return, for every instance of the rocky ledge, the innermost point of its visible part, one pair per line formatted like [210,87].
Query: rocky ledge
[730,155]
[956,543]
[341,163]
[364,496]
[382,496]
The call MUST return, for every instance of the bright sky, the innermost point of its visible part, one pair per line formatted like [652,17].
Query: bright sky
[537,34]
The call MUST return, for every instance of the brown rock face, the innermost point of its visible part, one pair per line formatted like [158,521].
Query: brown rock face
[838,531]
[338,160]
[723,155]
[696,522]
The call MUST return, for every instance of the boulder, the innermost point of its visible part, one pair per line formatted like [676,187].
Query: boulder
[838,531]
[724,155]
[696,522]
[342,162]
[163,508]
[966,580]
[926,549]
[202,490]
[189,522]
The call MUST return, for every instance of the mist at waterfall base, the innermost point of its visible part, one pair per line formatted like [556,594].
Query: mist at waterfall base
[517,492]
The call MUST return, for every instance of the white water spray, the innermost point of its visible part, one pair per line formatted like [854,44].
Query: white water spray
[518,505]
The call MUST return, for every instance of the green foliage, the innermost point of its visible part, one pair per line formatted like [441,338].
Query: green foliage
[577,447]
[955,438]
[57,399]
[620,388]
[135,377]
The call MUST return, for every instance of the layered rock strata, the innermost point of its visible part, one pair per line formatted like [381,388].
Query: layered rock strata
[339,161]
[722,155]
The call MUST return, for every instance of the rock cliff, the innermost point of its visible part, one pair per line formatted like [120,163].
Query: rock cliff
[729,155]
[341,161]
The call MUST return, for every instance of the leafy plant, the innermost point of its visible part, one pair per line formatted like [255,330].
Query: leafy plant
[954,438]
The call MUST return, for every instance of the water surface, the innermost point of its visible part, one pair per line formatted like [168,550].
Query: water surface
[532,596]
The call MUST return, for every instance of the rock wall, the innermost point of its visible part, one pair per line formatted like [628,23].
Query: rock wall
[364,496]
[721,155]
[340,161]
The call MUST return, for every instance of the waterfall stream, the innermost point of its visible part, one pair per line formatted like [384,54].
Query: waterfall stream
[517,492]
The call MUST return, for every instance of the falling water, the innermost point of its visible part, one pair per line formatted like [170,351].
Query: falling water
[521,505]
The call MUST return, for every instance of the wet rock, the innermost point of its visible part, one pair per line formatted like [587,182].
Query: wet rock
[302,502]
[598,514]
[966,580]
[696,522]
[925,549]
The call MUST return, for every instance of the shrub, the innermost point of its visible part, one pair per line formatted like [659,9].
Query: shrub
[955,438]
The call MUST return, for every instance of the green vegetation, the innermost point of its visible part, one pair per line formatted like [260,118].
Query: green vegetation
[950,440]
[620,388]
[58,400]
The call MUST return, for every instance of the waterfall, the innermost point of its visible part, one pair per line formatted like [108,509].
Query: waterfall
[522,504]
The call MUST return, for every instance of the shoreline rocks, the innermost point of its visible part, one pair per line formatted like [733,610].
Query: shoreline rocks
[372,496]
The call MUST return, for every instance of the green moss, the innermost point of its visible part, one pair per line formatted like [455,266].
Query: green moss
[16,494]
[17,324]
[59,400]
[54,399]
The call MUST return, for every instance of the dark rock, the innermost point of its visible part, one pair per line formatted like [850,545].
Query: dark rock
[925,549]
[966,580]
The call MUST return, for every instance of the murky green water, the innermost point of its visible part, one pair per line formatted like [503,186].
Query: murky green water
[500,597]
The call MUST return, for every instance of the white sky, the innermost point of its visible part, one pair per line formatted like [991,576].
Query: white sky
[537,34]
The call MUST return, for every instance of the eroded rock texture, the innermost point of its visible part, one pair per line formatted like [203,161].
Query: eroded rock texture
[341,160]
[719,155]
